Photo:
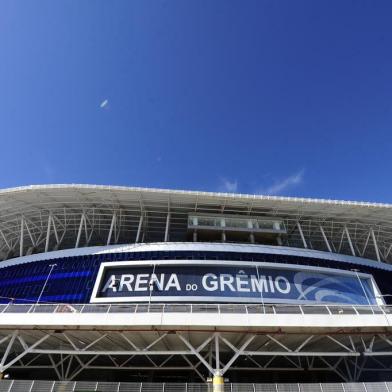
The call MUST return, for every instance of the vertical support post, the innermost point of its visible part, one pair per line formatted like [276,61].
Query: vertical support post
[302,235]
[167,227]
[195,236]
[325,239]
[79,231]
[223,236]
[366,244]
[217,380]
[111,228]
[218,383]
[139,228]
[349,240]
[375,244]
[48,233]
[217,359]
[21,236]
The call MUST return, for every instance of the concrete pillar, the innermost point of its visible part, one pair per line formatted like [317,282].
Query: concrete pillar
[218,384]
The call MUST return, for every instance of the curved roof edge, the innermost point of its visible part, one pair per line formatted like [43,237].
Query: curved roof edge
[238,196]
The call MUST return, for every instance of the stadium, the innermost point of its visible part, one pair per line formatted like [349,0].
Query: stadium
[106,288]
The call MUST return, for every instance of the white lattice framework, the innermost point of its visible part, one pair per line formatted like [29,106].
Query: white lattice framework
[69,352]
[44,218]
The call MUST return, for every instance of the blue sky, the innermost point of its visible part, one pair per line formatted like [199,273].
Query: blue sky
[269,96]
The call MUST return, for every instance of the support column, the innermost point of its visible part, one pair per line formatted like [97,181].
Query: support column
[217,380]
[21,236]
[325,239]
[139,228]
[82,221]
[48,233]
[349,240]
[167,227]
[112,225]
[218,384]
[302,235]
[375,244]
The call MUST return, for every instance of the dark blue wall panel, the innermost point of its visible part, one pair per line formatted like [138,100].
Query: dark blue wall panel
[73,278]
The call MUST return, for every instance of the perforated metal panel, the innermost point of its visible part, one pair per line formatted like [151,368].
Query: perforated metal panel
[332,387]
[130,387]
[41,386]
[354,387]
[5,385]
[196,387]
[376,387]
[64,386]
[265,388]
[21,386]
[107,386]
[152,387]
[85,386]
[288,388]
[389,386]
[242,387]
[310,387]
[175,387]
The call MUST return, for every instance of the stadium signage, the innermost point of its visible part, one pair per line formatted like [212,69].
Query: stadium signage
[209,282]
[204,281]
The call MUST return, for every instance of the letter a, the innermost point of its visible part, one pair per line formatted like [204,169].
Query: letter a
[110,284]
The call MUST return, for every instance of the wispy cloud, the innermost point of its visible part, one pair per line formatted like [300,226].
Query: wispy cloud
[227,185]
[104,104]
[282,185]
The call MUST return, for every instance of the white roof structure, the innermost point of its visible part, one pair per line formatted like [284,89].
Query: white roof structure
[75,220]
[35,219]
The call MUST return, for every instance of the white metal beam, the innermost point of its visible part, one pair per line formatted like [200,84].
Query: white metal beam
[237,354]
[302,235]
[30,349]
[349,240]
[112,225]
[21,236]
[8,349]
[48,233]
[82,222]
[167,227]
[139,228]
[5,240]
[325,239]
[195,352]
[375,244]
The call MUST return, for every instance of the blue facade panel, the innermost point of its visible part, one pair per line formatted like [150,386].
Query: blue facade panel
[73,278]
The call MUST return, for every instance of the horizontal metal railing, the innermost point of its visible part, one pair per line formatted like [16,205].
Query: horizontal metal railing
[90,386]
[197,308]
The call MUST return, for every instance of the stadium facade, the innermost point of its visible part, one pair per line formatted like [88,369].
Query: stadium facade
[132,284]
